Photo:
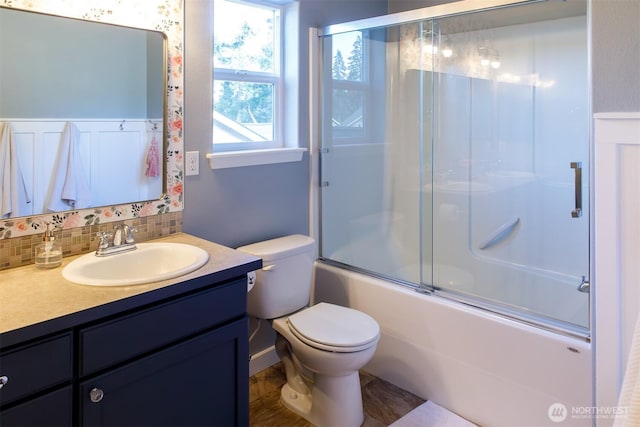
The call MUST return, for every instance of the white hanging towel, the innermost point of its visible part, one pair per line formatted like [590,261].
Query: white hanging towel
[629,400]
[69,187]
[13,190]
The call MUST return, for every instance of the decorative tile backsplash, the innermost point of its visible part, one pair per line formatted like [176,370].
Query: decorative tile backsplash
[19,250]
[17,236]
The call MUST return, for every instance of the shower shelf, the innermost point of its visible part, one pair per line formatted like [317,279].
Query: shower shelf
[500,233]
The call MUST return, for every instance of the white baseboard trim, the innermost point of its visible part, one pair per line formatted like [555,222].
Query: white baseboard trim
[262,360]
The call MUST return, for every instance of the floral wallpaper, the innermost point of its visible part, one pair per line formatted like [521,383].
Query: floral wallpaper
[159,15]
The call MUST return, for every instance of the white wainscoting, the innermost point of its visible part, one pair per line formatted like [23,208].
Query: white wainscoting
[113,155]
[617,249]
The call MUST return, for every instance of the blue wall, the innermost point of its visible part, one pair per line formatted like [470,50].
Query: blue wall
[85,70]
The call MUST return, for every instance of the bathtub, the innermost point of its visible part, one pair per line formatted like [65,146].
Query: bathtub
[488,369]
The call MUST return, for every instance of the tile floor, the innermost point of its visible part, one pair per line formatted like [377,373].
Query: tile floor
[383,402]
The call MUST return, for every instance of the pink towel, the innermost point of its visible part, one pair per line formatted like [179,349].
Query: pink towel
[153,160]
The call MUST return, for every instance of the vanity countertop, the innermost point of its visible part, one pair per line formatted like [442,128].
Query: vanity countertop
[36,301]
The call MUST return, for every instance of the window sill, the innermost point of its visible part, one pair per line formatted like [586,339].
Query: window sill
[235,159]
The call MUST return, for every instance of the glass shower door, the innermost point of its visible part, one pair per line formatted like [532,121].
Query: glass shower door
[455,156]
[510,161]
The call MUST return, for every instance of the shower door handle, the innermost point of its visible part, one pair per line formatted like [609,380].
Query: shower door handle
[577,211]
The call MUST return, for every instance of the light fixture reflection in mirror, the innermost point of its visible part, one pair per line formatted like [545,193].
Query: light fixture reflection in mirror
[109,82]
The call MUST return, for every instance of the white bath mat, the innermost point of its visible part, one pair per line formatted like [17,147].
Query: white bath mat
[431,415]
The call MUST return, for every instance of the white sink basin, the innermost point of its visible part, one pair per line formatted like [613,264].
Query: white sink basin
[150,262]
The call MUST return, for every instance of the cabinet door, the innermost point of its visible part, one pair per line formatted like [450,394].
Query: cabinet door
[202,381]
[52,409]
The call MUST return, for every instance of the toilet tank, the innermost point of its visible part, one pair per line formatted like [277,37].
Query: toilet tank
[283,285]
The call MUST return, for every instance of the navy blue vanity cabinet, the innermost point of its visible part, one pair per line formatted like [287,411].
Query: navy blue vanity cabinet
[180,363]
[35,380]
[174,356]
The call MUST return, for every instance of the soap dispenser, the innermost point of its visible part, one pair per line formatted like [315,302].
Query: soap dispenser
[48,254]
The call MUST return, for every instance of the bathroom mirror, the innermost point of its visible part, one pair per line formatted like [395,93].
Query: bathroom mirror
[85,100]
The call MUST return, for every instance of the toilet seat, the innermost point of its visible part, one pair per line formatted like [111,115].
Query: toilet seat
[334,328]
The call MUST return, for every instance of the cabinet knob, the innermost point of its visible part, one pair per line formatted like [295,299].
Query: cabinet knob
[96,395]
[3,380]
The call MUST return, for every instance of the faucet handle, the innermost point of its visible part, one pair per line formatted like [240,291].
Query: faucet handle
[128,233]
[104,239]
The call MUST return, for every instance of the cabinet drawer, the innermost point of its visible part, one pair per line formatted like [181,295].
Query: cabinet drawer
[52,409]
[35,367]
[126,337]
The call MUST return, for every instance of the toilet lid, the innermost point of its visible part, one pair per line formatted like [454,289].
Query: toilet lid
[334,328]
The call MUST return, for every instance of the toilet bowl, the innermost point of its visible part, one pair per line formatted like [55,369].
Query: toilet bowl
[332,342]
[322,347]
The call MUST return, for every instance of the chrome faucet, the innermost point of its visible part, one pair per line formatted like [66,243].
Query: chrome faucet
[122,241]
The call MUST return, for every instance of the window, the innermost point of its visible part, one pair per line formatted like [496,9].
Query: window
[247,79]
[349,85]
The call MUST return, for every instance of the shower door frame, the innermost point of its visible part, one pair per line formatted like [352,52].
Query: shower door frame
[416,15]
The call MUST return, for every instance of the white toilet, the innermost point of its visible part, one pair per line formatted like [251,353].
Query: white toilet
[321,347]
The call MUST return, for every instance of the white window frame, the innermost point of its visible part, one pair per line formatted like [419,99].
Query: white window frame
[228,155]
[275,78]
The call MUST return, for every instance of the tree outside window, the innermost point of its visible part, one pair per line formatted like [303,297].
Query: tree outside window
[348,83]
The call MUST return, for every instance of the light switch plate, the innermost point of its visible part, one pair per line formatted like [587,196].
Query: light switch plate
[192,163]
